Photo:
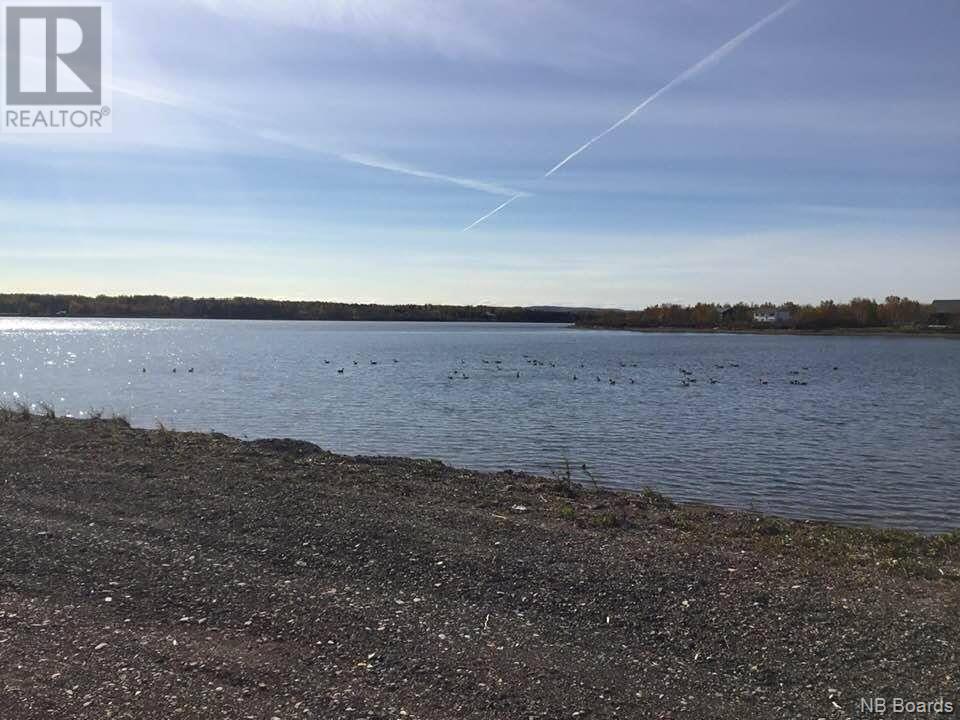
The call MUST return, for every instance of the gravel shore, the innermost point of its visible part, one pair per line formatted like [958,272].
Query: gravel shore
[158,575]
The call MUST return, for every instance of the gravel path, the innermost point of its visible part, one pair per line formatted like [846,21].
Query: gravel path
[151,574]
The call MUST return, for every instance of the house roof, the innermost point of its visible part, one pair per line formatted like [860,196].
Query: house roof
[946,307]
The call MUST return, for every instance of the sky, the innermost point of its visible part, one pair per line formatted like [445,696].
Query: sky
[337,149]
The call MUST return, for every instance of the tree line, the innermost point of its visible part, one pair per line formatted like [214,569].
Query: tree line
[860,313]
[240,308]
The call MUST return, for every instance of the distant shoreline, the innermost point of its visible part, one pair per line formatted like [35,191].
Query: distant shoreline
[290,320]
[829,332]
[832,332]
[161,307]
[861,316]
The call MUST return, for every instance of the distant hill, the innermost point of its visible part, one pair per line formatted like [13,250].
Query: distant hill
[574,310]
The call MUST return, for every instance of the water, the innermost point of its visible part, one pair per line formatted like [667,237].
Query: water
[876,441]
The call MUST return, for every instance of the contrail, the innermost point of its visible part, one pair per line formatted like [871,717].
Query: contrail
[694,70]
[493,212]
[244,123]
[379,164]
[469,183]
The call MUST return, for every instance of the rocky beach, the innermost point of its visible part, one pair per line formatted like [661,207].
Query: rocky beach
[154,574]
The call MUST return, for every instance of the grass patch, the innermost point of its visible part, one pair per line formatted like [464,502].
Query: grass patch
[771,527]
[678,519]
[912,568]
[945,544]
[657,500]
[608,520]
[14,411]
[566,486]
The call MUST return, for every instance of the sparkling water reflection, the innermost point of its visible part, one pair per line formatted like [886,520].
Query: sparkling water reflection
[872,437]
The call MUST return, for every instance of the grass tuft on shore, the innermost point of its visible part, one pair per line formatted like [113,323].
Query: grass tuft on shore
[20,411]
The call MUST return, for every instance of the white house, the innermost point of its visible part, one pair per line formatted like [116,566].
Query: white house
[946,313]
[769,315]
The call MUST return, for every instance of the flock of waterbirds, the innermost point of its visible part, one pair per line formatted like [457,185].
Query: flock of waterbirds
[688,378]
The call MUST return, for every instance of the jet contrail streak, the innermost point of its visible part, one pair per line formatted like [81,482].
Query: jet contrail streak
[494,211]
[690,72]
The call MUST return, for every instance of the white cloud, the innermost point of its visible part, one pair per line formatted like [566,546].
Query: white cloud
[556,33]
[442,24]
[237,121]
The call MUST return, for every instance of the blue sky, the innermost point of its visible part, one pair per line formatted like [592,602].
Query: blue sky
[335,149]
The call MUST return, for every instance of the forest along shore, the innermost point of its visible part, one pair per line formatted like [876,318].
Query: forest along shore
[154,574]
[949,333]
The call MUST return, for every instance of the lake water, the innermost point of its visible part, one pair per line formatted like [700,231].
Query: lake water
[876,440]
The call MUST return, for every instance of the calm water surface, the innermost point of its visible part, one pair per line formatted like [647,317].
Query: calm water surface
[876,440]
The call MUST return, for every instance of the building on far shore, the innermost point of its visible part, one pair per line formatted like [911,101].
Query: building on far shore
[946,313]
[769,315]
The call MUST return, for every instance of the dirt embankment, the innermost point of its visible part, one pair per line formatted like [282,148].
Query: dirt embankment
[158,575]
